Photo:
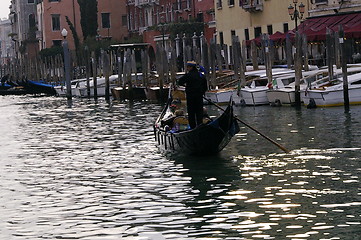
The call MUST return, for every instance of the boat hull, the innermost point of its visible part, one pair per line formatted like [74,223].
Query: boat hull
[34,87]
[331,98]
[223,96]
[281,96]
[155,94]
[121,94]
[206,139]
[256,96]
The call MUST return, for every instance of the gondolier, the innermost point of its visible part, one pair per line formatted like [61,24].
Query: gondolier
[196,86]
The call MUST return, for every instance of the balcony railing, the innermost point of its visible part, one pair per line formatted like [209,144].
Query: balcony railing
[182,5]
[140,3]
[253,5]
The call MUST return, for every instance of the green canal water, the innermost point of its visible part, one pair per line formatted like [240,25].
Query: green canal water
[93,171]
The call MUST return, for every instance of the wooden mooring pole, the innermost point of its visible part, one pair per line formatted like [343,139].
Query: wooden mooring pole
[298,69]
[106,70]
[87,69]
[344,68]
[94,66]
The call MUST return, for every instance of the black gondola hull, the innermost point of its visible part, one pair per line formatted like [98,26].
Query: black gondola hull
[206,139]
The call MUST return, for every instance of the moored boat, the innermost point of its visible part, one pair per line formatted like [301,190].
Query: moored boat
[283,87]
[255,92]
[331,94]
[222,96]
[35,87]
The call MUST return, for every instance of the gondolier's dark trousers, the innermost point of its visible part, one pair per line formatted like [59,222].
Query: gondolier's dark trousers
[195,109]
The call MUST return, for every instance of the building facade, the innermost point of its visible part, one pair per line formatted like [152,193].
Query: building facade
[112,20]
[7,50]
[51,17]
[248,19]
[145,15]
[326,7]
[23,21]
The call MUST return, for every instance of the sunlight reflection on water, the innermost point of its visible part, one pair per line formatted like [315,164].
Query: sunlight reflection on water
[93,171]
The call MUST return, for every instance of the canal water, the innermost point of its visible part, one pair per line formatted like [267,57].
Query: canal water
[93,171]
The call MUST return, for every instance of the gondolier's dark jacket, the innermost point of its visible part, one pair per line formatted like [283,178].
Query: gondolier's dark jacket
[194,81]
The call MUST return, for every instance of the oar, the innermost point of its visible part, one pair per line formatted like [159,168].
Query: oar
[254,129]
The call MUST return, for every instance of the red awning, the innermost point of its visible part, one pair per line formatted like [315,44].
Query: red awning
[277,38]
[315,28]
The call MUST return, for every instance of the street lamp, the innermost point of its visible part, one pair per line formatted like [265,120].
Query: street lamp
[64,33]
[98,37]
[295,13]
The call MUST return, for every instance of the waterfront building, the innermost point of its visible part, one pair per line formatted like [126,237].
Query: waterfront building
[327,7]
[145,16]
[23,21]
[51,17]
[6,44]
[248,19]
[112,21]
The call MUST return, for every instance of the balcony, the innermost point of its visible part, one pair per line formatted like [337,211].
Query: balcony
[131,2]
[146,3]
[181,6]
[253,5]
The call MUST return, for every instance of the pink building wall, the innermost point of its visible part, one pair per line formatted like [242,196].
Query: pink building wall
[118,30]
[68,8]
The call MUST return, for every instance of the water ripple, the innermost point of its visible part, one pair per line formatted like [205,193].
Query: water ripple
[93,171]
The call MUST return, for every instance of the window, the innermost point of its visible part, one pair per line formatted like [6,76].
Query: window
[105,20]
[31,1]
[221,39]
[55,20]
[231,2]
[270,29]
[57,43]
[285,27]
[124,21]
[54,0]
[257,32]
[200,17]
[32,23]
[246,34]
[321,1]
[233,33]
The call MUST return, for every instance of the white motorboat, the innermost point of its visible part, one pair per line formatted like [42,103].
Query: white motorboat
[222,96]
[331,93]
[255,92]
[283,87]
[79,87]
[61,89]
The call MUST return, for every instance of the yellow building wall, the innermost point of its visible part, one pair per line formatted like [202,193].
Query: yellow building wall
[275,13]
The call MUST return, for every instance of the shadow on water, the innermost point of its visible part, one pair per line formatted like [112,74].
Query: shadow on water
[94,171]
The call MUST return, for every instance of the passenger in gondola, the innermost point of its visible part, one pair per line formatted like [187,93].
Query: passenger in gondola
[4,79]
[196,86]
[206,117]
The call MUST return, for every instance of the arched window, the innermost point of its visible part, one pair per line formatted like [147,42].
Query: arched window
[32,22]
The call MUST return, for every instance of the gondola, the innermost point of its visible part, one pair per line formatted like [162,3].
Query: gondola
[173,134]
[34,87]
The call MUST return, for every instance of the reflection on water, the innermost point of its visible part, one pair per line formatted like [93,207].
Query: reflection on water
[93,171]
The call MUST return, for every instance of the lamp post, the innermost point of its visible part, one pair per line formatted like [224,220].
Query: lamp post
[64,33]
[163,25]
[295,13]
